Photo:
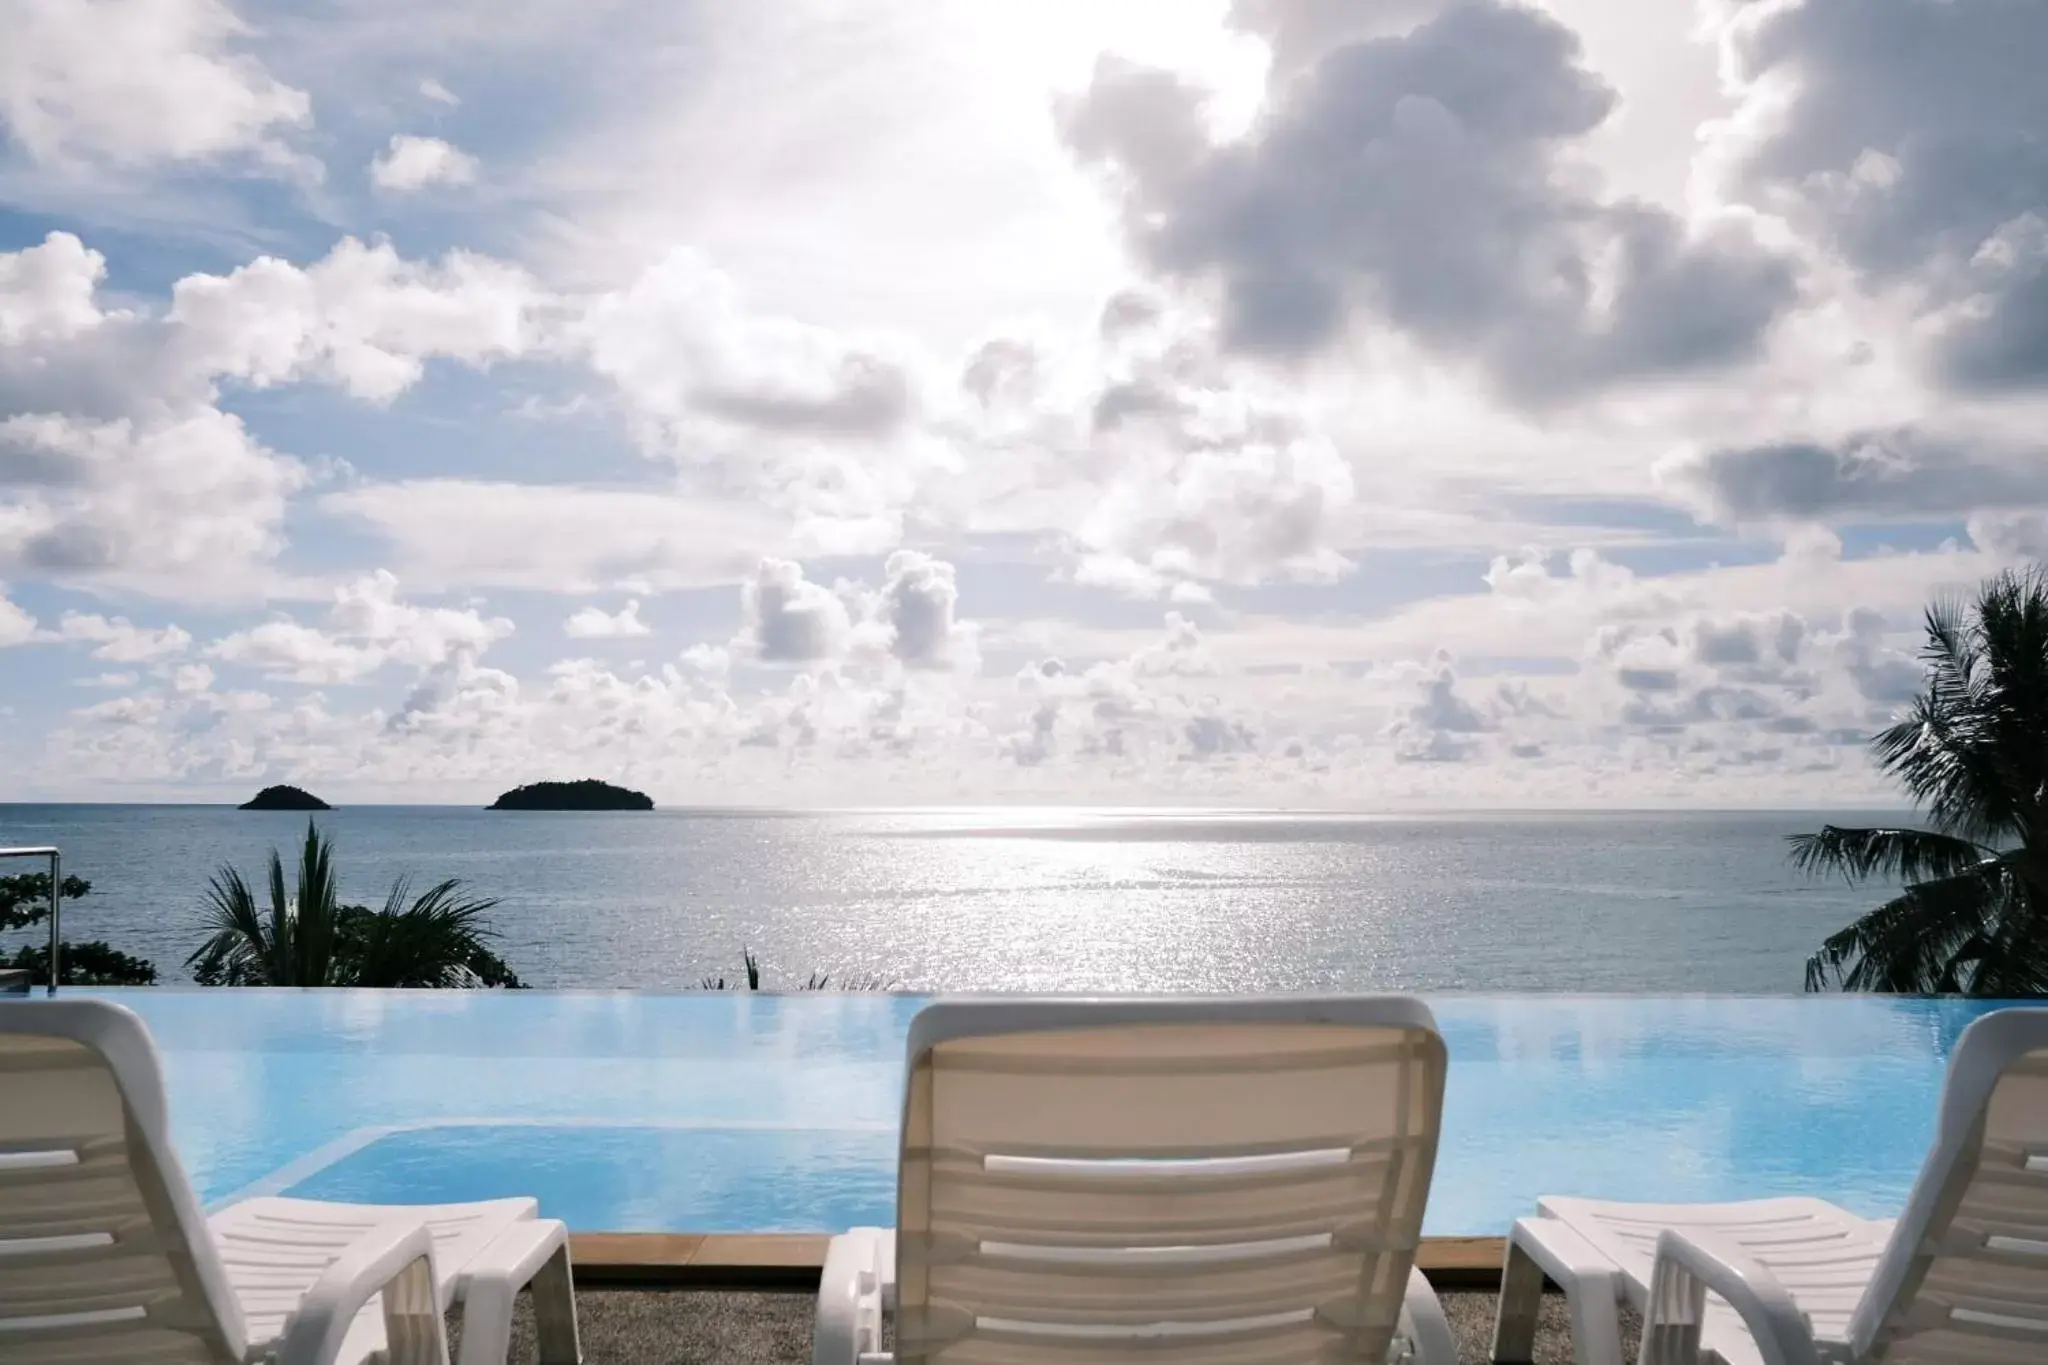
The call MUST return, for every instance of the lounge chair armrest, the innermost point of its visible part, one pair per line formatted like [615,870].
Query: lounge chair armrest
[534,1251]
[1691,1265]
[517,1254]
[850,1292]
[395,1259]
[1424,1323]
[1564,1255]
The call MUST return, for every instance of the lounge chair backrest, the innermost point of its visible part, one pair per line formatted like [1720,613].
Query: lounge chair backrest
[104,1254]
[1965,1278]
[1202,1181]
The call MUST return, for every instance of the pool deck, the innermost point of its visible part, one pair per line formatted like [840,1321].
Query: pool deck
[787,1260]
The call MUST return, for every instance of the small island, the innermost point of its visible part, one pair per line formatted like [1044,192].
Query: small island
[284,798]
[589,794]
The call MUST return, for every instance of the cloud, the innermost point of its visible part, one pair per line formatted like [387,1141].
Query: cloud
[1884,675]
[918,599]
[166,508]
[787,619]
[362,317]
[1441,726]
[1907,138]
[1590,583]
[1300,31]
[1362,367]
[1903,472]
[1749,640]
[561,538]
[139,83]
[61,352]
[46,291]
[410,163]
[785,411]
[591,623]
[17,627]
[293,652]
[367,627]
[1002,369]
[120,641]
[1184,653]
[117,464]
[1199,478]
[1154,707]
[2011,535]
[1422,178]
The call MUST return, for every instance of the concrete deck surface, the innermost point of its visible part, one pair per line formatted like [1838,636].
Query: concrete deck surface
[707,1327]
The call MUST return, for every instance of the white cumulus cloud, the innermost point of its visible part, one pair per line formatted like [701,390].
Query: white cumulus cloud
[593,623]
[131,82]
[409,162]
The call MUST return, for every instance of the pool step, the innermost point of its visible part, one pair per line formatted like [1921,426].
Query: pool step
[792,1260]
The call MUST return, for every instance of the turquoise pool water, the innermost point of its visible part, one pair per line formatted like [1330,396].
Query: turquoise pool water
[704,1112]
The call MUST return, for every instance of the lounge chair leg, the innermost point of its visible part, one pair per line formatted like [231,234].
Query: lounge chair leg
[554,1311]
[487,1322]
[1521,1299]
[1596,1327]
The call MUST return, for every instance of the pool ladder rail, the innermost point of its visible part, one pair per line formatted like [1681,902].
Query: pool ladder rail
[19,983]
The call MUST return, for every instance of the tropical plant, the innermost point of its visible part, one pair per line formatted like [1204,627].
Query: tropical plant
[1972,751]
[25,903]
[305,936]
[750,980]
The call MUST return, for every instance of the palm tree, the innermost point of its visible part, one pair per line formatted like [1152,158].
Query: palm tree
[438,939]
[1973,752]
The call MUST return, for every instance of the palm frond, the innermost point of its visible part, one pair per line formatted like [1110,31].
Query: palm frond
[1892,854]
[436,940]
[1973,749]
[313,923]
[237,950]
[1927,940]
[281,945]
[308,938]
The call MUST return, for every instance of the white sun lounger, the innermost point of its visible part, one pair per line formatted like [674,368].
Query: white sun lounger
[1201,1181]
[487,1251]
[1960,1279]
[105,1257]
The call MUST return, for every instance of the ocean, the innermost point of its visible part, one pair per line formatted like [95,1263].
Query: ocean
[1009,899]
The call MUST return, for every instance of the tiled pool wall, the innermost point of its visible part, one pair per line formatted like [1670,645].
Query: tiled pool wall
[630,1112]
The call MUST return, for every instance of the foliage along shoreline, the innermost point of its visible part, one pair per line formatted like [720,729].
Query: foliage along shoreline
[284,797]
[587,794]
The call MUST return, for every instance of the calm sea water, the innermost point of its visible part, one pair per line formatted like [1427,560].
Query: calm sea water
[1029,900]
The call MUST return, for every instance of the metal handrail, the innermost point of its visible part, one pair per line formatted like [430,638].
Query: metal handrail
[56,895]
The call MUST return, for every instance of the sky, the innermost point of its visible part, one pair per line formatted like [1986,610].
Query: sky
[1262,402]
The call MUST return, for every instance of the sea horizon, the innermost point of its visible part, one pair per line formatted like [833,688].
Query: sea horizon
[1025,898]
[744,808]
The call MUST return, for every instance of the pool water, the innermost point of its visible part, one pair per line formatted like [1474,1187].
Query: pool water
[758,1113]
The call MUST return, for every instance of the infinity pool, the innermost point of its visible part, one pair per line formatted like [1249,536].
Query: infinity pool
[761,1113]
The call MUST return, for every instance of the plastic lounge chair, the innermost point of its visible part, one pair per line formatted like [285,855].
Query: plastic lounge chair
[1203,1181]
[105,1257]
[487,1252]
[1961,1278]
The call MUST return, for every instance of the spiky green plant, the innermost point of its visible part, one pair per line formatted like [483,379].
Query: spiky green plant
[305,936]
[816,981]
[1972,752]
